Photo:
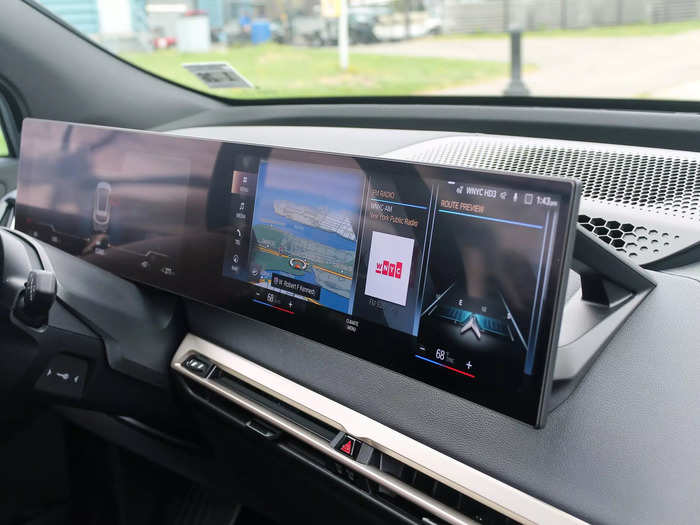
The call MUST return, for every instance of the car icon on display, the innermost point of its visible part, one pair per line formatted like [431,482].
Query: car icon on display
[102,207]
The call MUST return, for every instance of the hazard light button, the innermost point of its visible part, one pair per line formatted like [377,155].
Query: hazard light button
[348,446]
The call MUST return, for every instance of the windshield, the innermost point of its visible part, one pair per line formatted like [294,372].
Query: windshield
[327,48]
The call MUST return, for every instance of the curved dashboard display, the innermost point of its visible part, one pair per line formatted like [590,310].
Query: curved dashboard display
[450,276]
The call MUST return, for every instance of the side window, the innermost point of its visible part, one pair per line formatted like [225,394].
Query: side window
[4,151]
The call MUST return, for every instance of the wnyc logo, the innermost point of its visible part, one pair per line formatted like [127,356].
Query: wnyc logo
[389,268]
[391,256]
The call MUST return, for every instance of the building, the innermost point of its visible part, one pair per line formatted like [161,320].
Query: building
[120,25]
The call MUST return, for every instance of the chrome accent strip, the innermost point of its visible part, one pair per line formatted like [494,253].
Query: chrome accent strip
[463,478]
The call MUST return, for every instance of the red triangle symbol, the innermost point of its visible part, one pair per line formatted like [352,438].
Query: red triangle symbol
[347,448]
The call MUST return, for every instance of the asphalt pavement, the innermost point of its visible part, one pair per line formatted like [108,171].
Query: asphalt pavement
[659,66]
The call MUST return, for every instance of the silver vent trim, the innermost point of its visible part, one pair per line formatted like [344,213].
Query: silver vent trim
[475,484]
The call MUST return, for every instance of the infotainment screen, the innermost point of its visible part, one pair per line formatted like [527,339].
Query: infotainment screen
[454,277]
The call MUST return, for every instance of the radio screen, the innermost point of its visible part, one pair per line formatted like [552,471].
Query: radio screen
[450,276]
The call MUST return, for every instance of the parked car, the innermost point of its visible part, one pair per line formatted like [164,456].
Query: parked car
[395,27]
[315,30]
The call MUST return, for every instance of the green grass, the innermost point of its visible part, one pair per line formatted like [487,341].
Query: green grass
[4,152]
[286,71]
[669,28]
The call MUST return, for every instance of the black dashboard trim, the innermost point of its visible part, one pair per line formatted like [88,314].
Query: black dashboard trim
[138,325]
[635,128]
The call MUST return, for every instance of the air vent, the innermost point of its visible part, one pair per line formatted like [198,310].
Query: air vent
[660,181]
[425,487]
[637,242]
[286,410]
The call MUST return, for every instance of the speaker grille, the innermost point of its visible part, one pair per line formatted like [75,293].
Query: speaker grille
[643,242]
[661,181]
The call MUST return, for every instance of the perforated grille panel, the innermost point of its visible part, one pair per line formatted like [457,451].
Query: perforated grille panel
[638,242]
[661,181]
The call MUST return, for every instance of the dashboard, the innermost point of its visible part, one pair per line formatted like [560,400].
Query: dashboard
[226,399]
[589,462]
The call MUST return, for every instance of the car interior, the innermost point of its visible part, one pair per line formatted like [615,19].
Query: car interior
[410,309]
